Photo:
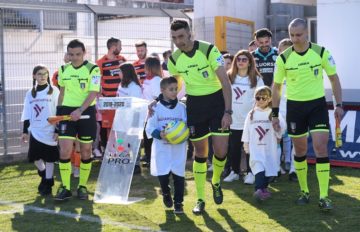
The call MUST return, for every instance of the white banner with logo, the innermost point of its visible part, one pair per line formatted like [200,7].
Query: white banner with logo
[349,153]
[123,146]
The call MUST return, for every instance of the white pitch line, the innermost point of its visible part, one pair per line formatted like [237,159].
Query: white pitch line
[10,211]
[23,208]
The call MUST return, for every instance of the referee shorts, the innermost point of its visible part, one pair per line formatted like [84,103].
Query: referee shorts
[204,115]
[305,116]
[83,130]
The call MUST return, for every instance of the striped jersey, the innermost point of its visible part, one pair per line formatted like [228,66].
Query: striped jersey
[139,66]
[110,78]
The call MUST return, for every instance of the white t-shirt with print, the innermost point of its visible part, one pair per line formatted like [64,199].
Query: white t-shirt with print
[37,110]
[242,100]
[262,139]
[166,157]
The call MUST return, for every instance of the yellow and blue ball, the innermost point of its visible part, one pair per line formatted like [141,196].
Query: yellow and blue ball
[176,132]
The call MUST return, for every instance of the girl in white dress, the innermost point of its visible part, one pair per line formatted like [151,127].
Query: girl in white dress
[261,141]
[40,103]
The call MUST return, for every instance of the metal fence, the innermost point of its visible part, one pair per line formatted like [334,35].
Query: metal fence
[38,32]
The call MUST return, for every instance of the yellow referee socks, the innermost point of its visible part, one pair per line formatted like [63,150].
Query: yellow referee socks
[323,175]
[199,170]
[65,172]
[301,168]
[85,168]
[218,168]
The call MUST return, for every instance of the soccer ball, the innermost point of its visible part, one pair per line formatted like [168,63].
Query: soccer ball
[176,132]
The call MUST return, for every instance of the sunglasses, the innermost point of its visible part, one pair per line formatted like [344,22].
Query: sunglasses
[242,59]
[261,98]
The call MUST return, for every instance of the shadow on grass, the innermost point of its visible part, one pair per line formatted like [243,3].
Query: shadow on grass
[213,225]
[233,225]
[20,167]
[281,206]
[46,215]
[178,222]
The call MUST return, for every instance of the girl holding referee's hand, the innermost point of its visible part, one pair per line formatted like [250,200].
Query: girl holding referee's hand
[40,103]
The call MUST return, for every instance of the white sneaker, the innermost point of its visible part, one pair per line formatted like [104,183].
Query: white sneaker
[76,172]
[97,153]
[249,178]
[283,172]
[210,168]
[231,177]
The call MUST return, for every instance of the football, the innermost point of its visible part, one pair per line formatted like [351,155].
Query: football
[176,132]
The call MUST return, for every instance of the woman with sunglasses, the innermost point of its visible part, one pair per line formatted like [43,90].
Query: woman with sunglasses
[244,79]
[261,141]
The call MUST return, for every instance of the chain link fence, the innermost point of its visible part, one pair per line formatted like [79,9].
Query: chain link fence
[39,36]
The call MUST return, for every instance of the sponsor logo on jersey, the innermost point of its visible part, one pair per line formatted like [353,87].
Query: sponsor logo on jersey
[38,110]
[261,131]
[95,79]
[331,61]
[220,60]
[320,125]
[115,72]
[238,92]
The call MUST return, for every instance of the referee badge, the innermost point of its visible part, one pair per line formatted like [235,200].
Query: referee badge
[63,127]
[316,72]
[293,127]
[192,130]
[205,74]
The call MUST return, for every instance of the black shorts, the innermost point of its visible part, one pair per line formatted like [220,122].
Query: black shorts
[39,150]
[204,115]
[302,117]
[83,130]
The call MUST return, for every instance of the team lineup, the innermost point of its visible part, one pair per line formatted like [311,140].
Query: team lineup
[254,107]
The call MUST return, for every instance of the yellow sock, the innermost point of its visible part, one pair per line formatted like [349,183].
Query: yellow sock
[301,169]
[199,170]
[65,173]
[323,175]
[85,169]
[218,168]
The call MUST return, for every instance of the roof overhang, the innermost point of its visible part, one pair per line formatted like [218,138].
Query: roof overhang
[297,2]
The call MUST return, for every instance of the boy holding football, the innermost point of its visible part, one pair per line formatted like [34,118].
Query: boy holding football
[168,158]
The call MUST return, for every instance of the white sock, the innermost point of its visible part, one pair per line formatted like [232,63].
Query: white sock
[292,167]
[279,155]
[287,149]
[49,173]
[40,165]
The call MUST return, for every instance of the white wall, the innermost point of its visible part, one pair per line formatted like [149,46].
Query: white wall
[338,32]
[206,10]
